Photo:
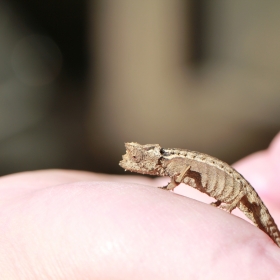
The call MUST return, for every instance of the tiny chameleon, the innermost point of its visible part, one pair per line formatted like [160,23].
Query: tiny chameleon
[204,173]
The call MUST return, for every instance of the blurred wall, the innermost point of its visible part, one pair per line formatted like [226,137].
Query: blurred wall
[42,85]
[79,78]
[150,90]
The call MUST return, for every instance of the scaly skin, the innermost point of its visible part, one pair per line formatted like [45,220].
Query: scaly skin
[205,173]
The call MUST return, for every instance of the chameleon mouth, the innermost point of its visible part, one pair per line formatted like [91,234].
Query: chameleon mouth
[129,165]
[122,164]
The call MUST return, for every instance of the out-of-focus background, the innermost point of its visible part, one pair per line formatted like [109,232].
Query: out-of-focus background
[79,78]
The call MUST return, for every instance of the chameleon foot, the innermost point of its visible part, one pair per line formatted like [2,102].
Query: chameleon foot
[231,206]
[216,203]
[227,207]
[171,185]
[164,188]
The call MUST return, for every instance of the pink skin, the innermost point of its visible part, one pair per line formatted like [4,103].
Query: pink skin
[60,224]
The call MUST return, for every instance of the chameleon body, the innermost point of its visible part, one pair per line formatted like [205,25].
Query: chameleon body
[205,173]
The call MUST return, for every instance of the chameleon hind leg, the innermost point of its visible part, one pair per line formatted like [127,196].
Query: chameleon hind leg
[216,203]
[228,207]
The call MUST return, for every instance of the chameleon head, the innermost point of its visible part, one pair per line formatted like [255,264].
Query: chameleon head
[141,158]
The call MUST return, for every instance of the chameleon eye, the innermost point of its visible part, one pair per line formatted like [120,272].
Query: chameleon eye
[137,157]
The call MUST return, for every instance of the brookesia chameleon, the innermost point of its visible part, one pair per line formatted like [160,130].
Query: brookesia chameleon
[204,173]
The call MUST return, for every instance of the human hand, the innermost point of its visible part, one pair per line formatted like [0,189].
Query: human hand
[76,225]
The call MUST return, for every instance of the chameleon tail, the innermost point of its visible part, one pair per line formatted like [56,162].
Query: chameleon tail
[261,217]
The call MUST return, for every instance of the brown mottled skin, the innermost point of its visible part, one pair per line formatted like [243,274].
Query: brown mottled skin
[205,173]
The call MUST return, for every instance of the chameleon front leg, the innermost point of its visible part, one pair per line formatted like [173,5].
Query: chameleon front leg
[176,181]
[171,185]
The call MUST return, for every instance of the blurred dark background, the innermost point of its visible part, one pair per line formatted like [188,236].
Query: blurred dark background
[45,123]
[79,78]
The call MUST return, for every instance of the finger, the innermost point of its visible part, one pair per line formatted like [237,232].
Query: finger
[103,230]
[262,170]
[16,185]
